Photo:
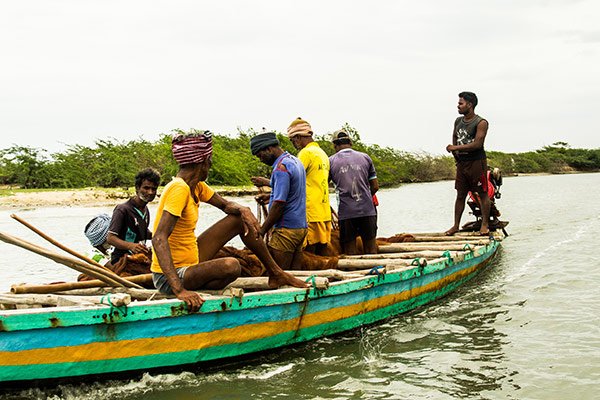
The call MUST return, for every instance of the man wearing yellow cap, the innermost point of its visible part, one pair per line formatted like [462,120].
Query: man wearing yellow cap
[316,164]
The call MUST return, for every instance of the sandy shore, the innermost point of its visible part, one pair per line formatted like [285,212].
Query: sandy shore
[88,197]
[67,198]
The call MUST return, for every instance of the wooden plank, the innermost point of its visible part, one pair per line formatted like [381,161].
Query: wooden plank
[117,299]
[406,247]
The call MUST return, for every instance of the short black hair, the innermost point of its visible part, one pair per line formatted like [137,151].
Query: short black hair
[470,97]
[342,141]
[148,174]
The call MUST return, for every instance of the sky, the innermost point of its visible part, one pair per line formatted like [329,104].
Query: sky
[74,72]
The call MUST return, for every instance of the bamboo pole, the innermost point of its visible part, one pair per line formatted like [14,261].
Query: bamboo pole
[466,239]
[110,278]
[149,294]
[346,264]
[327,273]
[58,244]
[405,247]
[407,255]
[144,279]
[262,283]
[69,262]
[117,299]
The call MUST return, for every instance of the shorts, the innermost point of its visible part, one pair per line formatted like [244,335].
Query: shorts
[287,240]
[471,176]
[365,227]
[161,282]
[318,232]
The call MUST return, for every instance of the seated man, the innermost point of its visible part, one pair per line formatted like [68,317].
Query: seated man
[128,230]
[287,201]
[355,180]
[181,262]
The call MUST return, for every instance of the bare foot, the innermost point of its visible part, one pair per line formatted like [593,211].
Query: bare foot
[286,279]
[451,231]
[484,232]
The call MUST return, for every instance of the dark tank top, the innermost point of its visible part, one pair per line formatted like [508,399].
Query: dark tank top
[465,134]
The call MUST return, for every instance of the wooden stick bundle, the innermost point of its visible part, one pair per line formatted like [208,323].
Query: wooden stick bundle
[107,277]
[59,245]
[117,299]
[405,247]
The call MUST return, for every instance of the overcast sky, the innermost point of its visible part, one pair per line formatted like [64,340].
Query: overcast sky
[73,72]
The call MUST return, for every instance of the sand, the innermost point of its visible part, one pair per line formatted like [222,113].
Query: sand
[80,197]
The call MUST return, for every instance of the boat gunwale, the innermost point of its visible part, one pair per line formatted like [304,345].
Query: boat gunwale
[21,320]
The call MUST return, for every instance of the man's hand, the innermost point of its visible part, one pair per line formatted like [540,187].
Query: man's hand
[136,248]
[251,225]
[450,148]
[260,181]
[262,198]
[193,300]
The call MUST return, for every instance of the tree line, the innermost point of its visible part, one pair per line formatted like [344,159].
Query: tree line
[114,163]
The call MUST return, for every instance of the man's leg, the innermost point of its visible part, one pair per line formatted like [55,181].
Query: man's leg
[283,258]
[350,247]
[319,234]
[348,237]
[370,246]
[459,207]
[485,214]
[212,275]
[368,233]
[215,237]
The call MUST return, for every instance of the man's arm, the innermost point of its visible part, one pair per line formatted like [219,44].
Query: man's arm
[260,181]
[374,185]
[482,128]
[275,214]
[160,243]
[134,248]
[117,224]
[251,225]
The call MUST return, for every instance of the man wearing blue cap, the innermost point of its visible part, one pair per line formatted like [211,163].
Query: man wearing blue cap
[287,201]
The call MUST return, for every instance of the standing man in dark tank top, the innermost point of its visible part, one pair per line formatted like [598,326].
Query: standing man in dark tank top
[468,136]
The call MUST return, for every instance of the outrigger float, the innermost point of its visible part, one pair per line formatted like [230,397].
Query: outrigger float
[69,336]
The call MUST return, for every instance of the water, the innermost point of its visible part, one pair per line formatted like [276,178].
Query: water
[526,328]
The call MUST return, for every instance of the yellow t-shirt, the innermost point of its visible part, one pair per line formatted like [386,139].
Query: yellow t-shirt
[177,200]
[316,164]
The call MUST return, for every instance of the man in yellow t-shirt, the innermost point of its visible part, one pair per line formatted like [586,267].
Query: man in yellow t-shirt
[182,263]
[316,165]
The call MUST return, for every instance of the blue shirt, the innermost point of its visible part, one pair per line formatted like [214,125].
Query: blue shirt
[288,183]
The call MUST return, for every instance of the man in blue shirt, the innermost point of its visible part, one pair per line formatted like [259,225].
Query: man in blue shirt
[287,201]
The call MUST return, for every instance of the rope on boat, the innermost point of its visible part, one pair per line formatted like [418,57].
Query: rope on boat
[448,256]
[121,309]
[471,253]
[375,270]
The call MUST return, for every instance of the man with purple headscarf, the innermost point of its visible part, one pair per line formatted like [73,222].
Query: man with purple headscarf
[182,263]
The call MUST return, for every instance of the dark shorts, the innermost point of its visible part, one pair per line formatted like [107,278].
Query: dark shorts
[162,284]
[471,176]
[365,227]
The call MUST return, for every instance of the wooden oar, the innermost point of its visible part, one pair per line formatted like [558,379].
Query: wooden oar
[59,245]
[108,277]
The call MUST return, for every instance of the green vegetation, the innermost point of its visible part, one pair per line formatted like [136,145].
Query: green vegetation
[111,163]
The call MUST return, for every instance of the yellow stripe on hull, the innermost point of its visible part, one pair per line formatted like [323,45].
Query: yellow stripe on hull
[189,342]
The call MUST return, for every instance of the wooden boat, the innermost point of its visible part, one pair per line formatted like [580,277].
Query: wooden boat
[50,344]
